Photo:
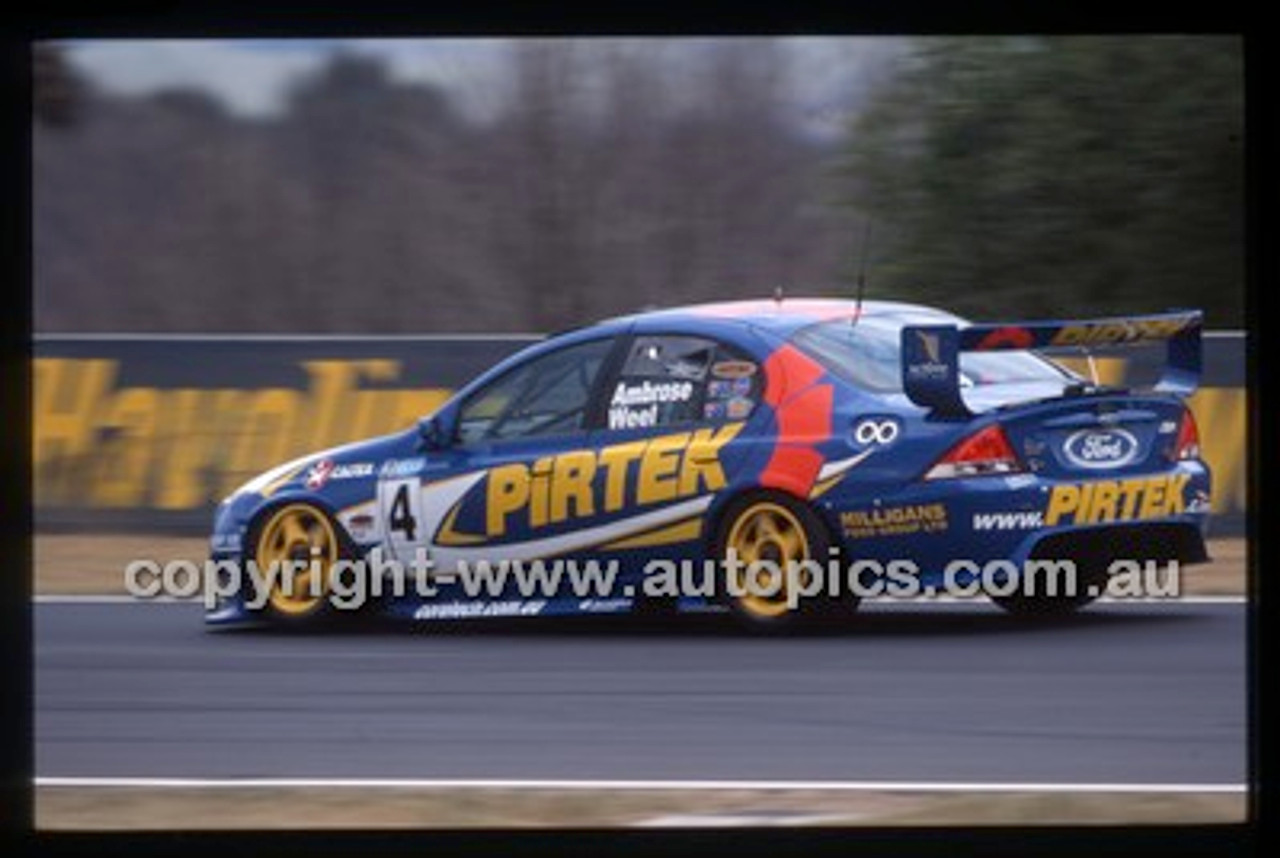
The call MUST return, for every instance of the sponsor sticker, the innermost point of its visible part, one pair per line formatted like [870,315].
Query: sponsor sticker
[737,409]
[931,367]
[1122,331]
[462,610]
[356,469]
[1116,500]
[1101,449]
[1009,336]
[692,370]
[714,411]
[319,473]
[605,606]
[733,369]
[580,484]
[361,527]
[1020,481]
[324,470]
[728,388]
[873,431]
[403,467]
[895,520]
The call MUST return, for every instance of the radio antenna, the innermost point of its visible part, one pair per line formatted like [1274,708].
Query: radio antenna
[860,285]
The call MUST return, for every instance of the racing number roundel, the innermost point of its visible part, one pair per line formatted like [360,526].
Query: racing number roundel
[400,504]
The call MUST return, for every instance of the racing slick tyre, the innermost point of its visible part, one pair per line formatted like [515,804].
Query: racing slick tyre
[1090,581]
[1039,605]
[766,531]
[303,533]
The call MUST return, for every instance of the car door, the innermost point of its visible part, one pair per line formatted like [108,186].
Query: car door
[486,495]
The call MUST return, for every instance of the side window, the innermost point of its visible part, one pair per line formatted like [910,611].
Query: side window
[669,380]
[548,395]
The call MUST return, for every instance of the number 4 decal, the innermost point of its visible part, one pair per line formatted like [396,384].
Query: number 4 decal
[401,502]
[401,518]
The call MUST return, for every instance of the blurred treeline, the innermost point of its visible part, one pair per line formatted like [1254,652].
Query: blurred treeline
[1002,177]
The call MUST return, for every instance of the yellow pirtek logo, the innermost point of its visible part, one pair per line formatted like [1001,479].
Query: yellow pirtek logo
[1116,500]
[557,488]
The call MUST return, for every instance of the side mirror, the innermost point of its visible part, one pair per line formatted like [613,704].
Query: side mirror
[431,431]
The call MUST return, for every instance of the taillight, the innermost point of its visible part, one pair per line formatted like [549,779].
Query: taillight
[986,451]
[1188,446]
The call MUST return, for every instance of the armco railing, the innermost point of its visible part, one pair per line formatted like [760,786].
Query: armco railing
[148,432]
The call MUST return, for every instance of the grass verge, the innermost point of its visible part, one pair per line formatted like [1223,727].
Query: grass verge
[115,808]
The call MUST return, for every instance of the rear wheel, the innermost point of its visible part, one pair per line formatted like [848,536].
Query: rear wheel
[1041,606]
[1090,582]
[766,532]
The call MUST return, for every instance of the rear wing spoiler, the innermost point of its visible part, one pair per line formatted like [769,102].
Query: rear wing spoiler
[931,353]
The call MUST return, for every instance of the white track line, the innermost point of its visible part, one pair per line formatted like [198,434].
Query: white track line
[542,784]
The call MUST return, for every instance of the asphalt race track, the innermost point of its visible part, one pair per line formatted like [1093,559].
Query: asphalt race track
[1121,693]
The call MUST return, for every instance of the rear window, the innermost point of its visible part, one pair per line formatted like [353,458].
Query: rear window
[869,355]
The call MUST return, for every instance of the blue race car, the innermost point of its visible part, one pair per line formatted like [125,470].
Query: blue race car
[728,437]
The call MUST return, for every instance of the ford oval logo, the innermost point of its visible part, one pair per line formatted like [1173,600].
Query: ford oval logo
[1100,448]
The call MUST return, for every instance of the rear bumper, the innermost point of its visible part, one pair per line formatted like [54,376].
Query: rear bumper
[1159,542]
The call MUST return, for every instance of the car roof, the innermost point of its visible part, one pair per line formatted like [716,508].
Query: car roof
[783,316]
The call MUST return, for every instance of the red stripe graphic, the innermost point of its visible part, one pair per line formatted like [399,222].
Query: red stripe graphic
[803,410]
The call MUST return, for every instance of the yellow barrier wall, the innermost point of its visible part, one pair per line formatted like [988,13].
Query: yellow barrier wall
[104,444]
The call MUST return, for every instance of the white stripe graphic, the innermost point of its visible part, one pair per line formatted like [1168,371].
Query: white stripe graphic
[447,557]
[830,469]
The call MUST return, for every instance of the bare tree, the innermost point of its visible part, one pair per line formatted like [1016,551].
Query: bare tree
[623,173]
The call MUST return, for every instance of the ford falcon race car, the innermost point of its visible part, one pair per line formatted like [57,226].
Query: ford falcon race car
[784,430]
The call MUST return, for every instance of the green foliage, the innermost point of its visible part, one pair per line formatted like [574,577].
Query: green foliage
[1058,175]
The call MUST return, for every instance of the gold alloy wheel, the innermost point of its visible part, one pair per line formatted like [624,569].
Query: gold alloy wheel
[298,532]
[766,531]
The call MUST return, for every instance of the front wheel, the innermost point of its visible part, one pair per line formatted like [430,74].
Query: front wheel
[770,547]
[305,536]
